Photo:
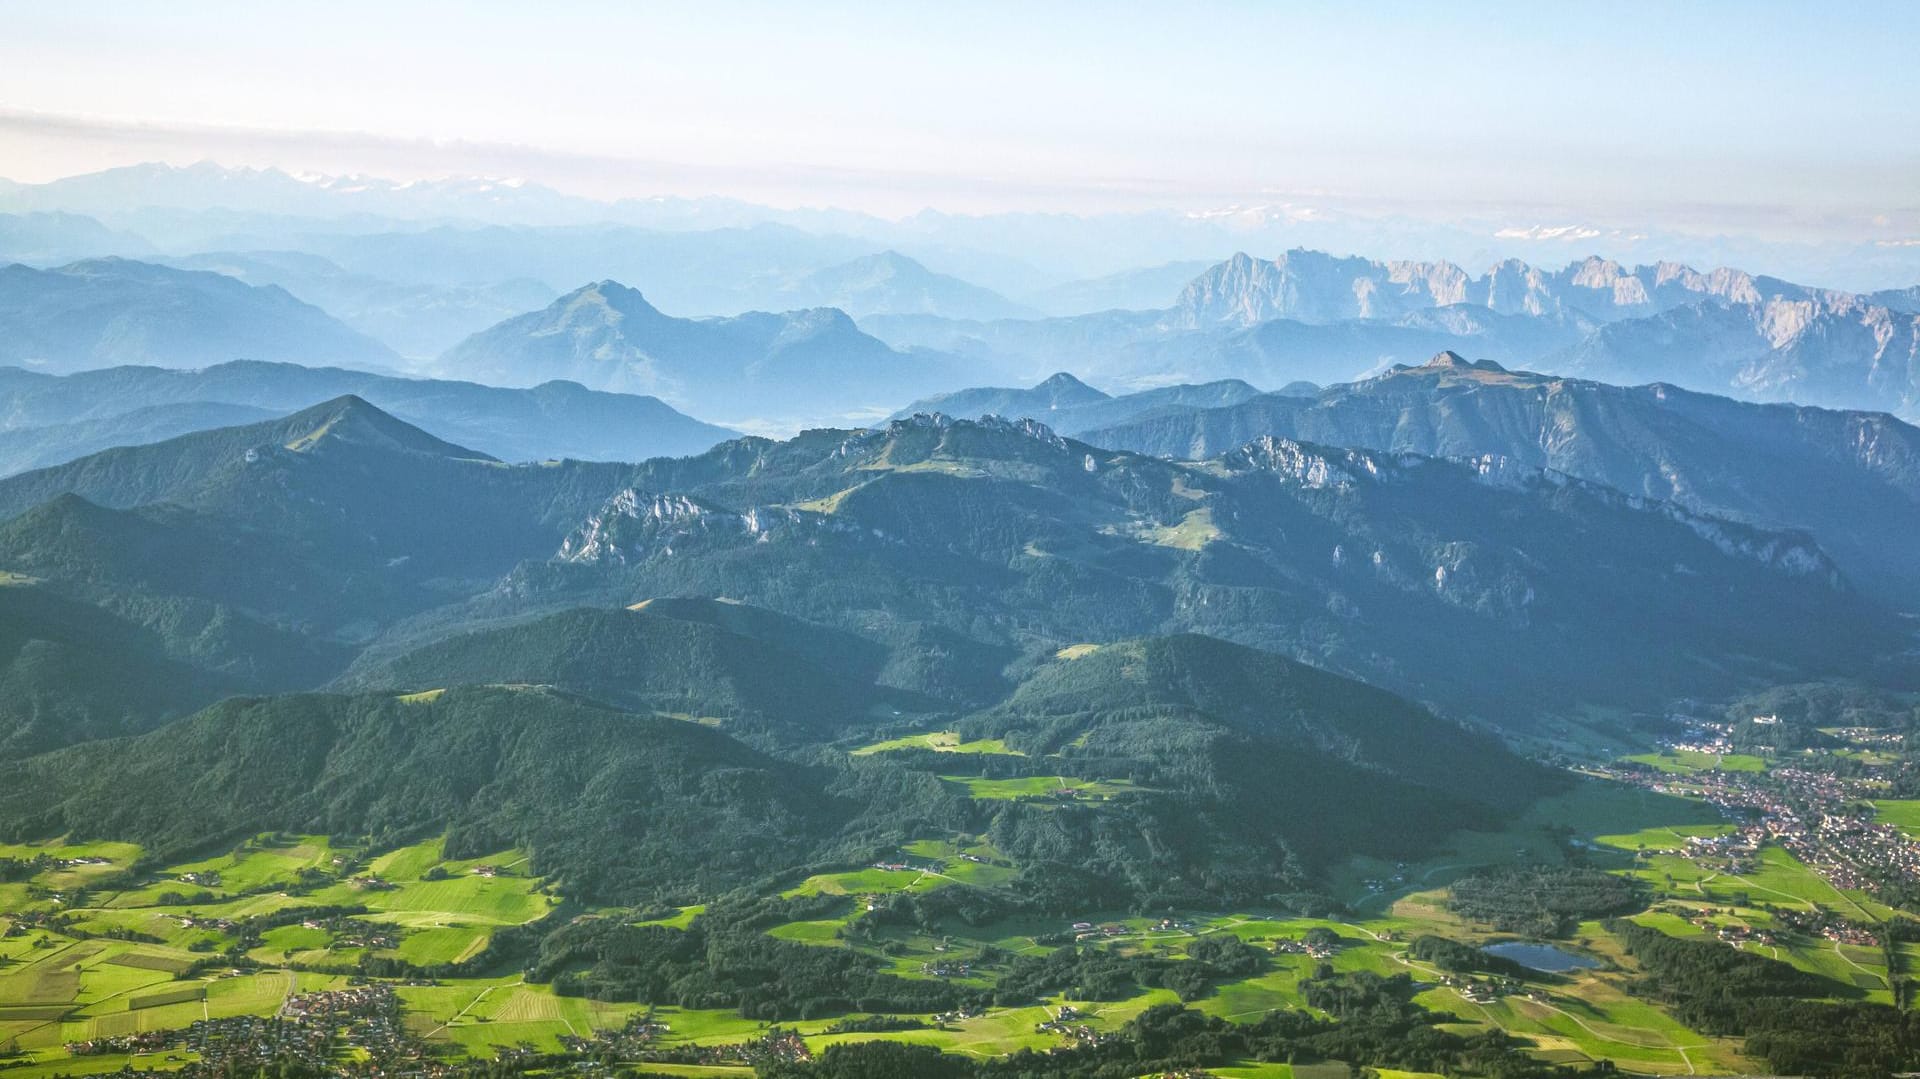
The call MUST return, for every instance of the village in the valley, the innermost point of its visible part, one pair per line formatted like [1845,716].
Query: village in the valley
[1825,818]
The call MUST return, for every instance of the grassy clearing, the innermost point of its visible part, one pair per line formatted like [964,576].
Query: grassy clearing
[940,742]
[869,881]
[262,863]
[450,944]
[469,899]
[1903,814]
[1688,761]
[680,920]
[478,1016]
[1195,530]
[1042,787]
[818,932]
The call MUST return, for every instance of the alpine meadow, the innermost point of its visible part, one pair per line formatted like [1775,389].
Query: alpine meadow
[989,541]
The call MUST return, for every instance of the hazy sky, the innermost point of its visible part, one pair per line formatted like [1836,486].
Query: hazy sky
[1664,113]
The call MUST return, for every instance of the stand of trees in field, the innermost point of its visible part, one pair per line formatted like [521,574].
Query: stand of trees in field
[1374,1024]
[1543,901]
[1788,1017]
[725,959]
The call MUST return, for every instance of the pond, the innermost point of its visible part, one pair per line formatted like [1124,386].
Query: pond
[1544,957]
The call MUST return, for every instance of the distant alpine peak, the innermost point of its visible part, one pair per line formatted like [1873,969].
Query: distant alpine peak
[1063,390]
[350,418]
[1451,359]
[1317,287]
[891,259]
[613,292]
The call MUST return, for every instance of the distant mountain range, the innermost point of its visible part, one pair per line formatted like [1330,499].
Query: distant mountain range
[103,312]
[1070,406]
[202,207]
[1303,316]
[892,283]
[419,321]
[1139,349]
[55,239]
[1128,290]
[754,368]
[1314,317]
[1310,286]
[1829,349]
[46,420]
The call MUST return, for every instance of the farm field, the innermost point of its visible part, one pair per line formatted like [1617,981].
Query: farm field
[1690,760]
[417,906]
[1903,814]
[60,984]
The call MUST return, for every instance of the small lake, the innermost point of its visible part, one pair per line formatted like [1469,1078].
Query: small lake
[1543,957]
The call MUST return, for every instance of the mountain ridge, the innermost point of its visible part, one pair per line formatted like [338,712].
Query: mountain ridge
[607,336]
[1851,478]
[99,312]
[554,419]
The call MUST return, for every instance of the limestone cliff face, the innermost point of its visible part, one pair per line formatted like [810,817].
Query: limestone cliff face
[1313,287]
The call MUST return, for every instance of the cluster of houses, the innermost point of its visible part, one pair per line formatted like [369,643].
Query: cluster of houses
[1820,923]
[311,1031]
[903,866]
[1317,949]
[638,1042]
[195,921]
[365,1017]
[1070,1024]
[958,1015]
[1735,932]
[206,878]
[146,1041]
[1823,819]
[1827,925]
[639,1035]
[1488,990]
[776,1046]
[1866,737]
[1735,852]
[354,933]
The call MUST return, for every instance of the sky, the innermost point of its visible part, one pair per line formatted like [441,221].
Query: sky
[1751,115]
